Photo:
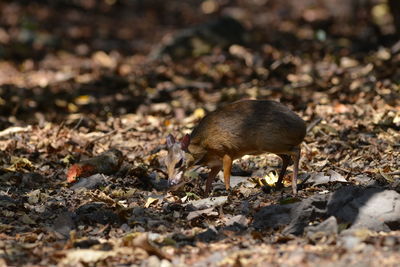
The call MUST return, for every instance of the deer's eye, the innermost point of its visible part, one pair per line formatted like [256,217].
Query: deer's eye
[179,164]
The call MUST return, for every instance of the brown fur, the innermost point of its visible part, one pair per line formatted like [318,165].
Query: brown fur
[247,127]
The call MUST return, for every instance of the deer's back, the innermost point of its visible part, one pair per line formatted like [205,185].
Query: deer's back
[250,127]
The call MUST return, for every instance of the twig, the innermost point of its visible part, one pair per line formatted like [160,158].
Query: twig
[322,132]
[59,128]
[104,136]
[393,173]
[306,146]
[16,108]
[78,123]
[177,186]
[342,169]
[101,137]
[313,124]
[108,134]
[305,179]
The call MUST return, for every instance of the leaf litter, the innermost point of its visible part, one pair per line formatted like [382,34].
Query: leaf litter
[92,88]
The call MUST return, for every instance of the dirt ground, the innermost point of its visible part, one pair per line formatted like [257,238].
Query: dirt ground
[78,78]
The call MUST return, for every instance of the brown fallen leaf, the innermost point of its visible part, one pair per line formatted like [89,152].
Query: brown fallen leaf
[150,201]
[14,130]
[108,163]
[20,164]
[142,240]
[27,220]
[197,213]
[76,256]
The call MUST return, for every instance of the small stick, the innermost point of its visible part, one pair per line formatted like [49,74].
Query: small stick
[177,186]
[342,169]
[108,134]
[60,127]
[306,146]
[78,123]
[305,179]
[313,124]
[103,136]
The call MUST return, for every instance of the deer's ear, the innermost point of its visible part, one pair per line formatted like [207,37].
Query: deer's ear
[185,141]
[170,140]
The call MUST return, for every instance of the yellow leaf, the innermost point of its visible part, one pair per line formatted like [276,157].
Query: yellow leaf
[18,164]
[67,159]
[61,103]
[21,161]
[199,113]
[271,178]
[82,100]
[150,201]
[72,107]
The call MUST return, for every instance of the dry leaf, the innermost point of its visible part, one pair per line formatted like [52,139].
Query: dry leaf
[208,212]
[20,164]
[142,240]
[75,257]
[150,201]
[271,178]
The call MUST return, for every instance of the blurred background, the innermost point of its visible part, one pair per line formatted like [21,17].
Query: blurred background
[112,57]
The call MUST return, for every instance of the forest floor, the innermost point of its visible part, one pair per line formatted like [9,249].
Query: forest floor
[73,88]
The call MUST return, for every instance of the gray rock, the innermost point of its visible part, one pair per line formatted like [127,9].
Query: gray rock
[245,207]
[328,227]
[308,210]
[236,223]
[274,216]
[350,242]
[157,183]
[319,178]
[208,202]
[91,182]
[379,212]
[64,223]
[373,208]
[396,185]
[238,219]
[211,234]
[235,180]
[32,180]
[238,171]
[96,212]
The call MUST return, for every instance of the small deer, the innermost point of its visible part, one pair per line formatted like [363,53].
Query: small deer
[247,127]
